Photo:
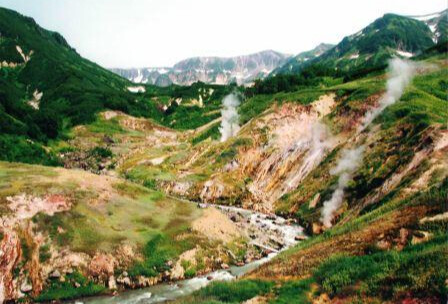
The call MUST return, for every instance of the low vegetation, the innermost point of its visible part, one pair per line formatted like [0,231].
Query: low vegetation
[75,286]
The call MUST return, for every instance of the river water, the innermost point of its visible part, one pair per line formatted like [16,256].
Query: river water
[284,232]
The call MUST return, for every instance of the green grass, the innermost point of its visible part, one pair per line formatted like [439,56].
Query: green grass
[234,292]
[66,290]
[186,115]
[423,102]
[108,127]
[147,174]
[155,257]
[293,292]
[101,152]
[290,292]
[89,225]
[212,132]
[419,269]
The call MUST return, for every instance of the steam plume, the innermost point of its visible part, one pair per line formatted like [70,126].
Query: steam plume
[400,75]
[347,165]
[229,124]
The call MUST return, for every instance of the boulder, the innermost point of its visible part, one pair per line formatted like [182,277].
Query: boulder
[26,287]
[126,281]
[314,201]
[384,245]
[420,236]
[404,235]
[102,265]
[178,272]
[55,274]
[112,284]
[300,237]
[317,228]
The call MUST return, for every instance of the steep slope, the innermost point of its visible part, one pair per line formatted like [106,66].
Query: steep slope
[46,87]
[370,48]
[294,64]
[214,70]
[438,23]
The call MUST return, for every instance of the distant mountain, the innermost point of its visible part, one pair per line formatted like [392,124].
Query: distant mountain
[214,70]
[294,63]
[390,35]
[438,23]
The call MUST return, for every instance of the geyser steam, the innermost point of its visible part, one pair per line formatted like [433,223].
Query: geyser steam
[229,124]
[347,165]
[400,75]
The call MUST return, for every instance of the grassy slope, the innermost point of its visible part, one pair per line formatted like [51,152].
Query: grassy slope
[126,208]
[348,262]
[403,127]
[105,214]
[74,90]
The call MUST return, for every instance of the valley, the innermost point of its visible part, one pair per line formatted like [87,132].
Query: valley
[324,181]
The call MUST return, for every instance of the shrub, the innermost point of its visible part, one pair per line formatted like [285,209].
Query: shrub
[66,290]
[293,292]
[155,258]
[100,152]
[239,291]
[20,149]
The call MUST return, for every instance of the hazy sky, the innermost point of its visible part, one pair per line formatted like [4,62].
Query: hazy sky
[140,33]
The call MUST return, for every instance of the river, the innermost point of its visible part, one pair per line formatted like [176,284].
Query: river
[285,237]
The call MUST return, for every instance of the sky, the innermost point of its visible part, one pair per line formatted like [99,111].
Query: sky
[156,33]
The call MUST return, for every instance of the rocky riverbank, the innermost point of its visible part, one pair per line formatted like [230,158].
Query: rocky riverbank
[271,234]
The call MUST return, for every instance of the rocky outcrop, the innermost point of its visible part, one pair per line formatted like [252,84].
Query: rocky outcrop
[295,142]
[102,265]
[22,208]
[10,254]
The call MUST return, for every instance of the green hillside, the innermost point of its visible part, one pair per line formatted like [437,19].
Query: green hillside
[67,88]
[371,47]
[51,88]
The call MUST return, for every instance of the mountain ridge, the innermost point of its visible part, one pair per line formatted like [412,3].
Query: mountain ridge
[241,69]
[371,47]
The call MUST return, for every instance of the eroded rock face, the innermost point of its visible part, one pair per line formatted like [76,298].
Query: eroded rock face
[298,143]
[23,207]
[211,190]
[26,206]
[102,265]
[10,253]
[288,144]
